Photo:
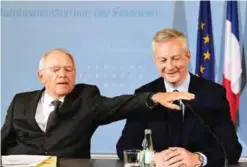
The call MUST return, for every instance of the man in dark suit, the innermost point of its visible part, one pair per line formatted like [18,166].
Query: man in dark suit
[181,138]
[61,118]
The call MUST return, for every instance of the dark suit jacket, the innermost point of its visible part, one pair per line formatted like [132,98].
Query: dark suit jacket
[210,103]
[83,110]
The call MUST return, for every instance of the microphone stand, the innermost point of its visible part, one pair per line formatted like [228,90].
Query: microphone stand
[211,132]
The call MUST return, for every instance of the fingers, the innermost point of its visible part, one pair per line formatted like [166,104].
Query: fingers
[173,106]
[177,158]
[177,164]
[171,156]
[175,161]
[187,94]
[182,96]
[166,99]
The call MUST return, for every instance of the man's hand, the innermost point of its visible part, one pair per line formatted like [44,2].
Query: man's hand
[177,157]
[166,98]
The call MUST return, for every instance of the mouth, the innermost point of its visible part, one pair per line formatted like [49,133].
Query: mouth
[62,83]
[174,73]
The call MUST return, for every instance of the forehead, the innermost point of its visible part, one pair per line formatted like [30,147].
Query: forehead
[169,48]
[58,58]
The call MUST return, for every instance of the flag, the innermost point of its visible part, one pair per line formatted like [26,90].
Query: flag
[232,59]
[205,44]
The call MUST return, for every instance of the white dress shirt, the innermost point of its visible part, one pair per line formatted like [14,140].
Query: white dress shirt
[44,109]
[184,87]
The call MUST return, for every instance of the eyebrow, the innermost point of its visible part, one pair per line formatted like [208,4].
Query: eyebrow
[62,66]
[178,54]
[170,57]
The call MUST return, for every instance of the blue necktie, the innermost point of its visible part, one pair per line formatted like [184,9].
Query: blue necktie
[176,121]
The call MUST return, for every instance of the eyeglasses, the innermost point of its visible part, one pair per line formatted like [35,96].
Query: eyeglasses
[55,69]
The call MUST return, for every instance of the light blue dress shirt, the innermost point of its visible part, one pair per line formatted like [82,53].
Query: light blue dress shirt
[184,87]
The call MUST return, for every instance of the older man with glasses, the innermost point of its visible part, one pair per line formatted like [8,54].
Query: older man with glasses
[61,118]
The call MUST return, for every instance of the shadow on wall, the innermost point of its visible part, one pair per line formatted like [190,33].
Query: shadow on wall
[179,20]
[221,67]
[179,17]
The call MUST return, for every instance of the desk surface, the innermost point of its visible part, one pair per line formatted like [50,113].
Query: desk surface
[103,163]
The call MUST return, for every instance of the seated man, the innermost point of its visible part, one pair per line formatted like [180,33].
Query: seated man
[181,138]
[61,118]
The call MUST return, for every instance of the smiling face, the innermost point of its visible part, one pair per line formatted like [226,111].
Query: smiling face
[172,60]
[57,73]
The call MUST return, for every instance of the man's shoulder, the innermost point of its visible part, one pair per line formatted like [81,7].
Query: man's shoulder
[27,94]
[149,86]
[207,84]
[83,89]
[84,86]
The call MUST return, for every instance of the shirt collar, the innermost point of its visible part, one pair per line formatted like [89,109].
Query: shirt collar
[48,99]
[184,87]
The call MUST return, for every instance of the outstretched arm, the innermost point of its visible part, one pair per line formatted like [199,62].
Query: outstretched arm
[106,110]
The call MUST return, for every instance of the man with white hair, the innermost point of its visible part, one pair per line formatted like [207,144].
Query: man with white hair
[61,118]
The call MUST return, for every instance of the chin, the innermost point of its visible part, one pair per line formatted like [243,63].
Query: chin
[172,79]
[63,93]
[172,82]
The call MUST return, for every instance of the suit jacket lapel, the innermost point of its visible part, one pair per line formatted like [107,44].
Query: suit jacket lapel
[69,102]
[31,109]
[69,106]
[189,121]
[160,85]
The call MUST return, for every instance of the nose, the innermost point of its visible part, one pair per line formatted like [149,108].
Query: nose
[169,65]
[61,72]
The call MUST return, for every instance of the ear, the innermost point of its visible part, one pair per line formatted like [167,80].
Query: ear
[188,55]
[154,58]
[41,77]
[156,62]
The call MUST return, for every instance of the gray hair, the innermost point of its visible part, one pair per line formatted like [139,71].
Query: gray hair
[42,60]
[166,34]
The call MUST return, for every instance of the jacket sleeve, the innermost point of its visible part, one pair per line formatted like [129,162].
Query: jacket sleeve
[225,131]
[106,110]
[7,133]
[132,134]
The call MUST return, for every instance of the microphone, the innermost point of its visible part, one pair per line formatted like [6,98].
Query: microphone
[186,103]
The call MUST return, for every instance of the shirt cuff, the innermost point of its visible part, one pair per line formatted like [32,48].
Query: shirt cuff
[205,159]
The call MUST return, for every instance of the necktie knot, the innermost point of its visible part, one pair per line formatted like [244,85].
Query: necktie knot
[56,104]
[176,101]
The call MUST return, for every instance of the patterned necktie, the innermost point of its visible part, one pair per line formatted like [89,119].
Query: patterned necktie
[176,118]
[53,115]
